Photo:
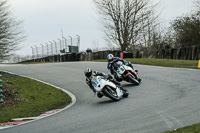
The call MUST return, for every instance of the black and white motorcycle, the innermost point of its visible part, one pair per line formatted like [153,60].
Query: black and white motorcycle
[107,88]
[125,72]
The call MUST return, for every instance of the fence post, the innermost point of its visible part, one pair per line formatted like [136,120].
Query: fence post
[1,91]
[121,55]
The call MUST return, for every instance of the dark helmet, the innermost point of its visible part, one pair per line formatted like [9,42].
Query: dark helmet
[88,72]
[110,57]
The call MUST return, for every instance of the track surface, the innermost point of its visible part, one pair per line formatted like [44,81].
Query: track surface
[167,98]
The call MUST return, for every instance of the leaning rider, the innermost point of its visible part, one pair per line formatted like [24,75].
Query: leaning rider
[112,65]
[89,74]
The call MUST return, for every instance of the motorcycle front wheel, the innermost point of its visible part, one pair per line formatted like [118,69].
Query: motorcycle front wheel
[125,91]
[133,80]
[112,94]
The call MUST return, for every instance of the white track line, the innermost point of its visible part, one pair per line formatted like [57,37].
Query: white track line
[166,118]
[168,122]
[178,121]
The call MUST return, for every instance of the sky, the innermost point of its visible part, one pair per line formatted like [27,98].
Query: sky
[47,20]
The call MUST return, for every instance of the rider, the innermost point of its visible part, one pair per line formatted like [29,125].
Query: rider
[89,73]
[112,65]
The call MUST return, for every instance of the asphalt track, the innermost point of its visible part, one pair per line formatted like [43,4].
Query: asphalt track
[166,99]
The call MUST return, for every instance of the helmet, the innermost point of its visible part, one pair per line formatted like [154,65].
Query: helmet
[110,57]
[88,72]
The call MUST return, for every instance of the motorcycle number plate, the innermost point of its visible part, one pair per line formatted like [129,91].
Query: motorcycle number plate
[121,70]
[96,83]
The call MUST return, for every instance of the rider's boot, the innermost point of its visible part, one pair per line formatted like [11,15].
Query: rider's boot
[99,95]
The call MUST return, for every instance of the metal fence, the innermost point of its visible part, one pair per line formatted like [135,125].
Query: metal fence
[55,47]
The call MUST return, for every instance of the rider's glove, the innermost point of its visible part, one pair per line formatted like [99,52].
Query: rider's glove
[95,73]
[109,76]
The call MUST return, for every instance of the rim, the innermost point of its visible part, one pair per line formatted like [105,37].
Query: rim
[111,91]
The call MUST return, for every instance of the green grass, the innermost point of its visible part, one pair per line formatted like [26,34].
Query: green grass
[151,61]
[189,129]
[163,62]
[34,98]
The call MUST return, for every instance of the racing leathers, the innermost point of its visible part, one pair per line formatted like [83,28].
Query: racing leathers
[112,66]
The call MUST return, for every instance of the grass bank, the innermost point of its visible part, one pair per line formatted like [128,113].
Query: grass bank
[24,97]
[189,129]
[163,62]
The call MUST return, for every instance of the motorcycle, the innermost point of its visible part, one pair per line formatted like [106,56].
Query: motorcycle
[107,88]
[125,72]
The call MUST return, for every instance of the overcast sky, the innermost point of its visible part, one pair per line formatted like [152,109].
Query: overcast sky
[44,19]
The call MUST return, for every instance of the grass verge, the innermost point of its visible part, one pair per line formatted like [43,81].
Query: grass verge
[163,62]
[189,129]
[24,97]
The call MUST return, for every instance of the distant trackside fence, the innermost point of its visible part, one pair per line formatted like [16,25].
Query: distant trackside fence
[55,47]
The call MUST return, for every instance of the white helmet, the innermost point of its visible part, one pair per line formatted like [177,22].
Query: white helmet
[110,57]
[88,72]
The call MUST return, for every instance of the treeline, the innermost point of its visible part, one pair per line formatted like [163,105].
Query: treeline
[133,25]
[183,31]
[11,32]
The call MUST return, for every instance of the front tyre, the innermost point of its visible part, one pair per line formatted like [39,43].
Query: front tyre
[139,79]
[112,94]
[125,92]
[132,79]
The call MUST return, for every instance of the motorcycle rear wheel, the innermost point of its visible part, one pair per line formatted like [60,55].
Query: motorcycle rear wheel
[112,94]
[133,80]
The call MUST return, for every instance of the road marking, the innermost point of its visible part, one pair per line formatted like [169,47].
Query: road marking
[3,127]
[178,121]
[166,118]
[168,122]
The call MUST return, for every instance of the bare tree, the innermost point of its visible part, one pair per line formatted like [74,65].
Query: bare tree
[197,6]
[149,34]
[185,29]
[95,45]
[124,21]
[11,32]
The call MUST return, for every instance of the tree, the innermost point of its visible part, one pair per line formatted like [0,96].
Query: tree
[11,32]
[185,30]
[124,21]
[197,6]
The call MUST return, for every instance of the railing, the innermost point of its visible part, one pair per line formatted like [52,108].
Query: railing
[55,47]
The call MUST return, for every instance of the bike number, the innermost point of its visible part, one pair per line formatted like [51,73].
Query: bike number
[121,70]
[96,83]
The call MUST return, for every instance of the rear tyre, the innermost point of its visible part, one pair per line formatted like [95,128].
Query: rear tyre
[133,80]
[112,94]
